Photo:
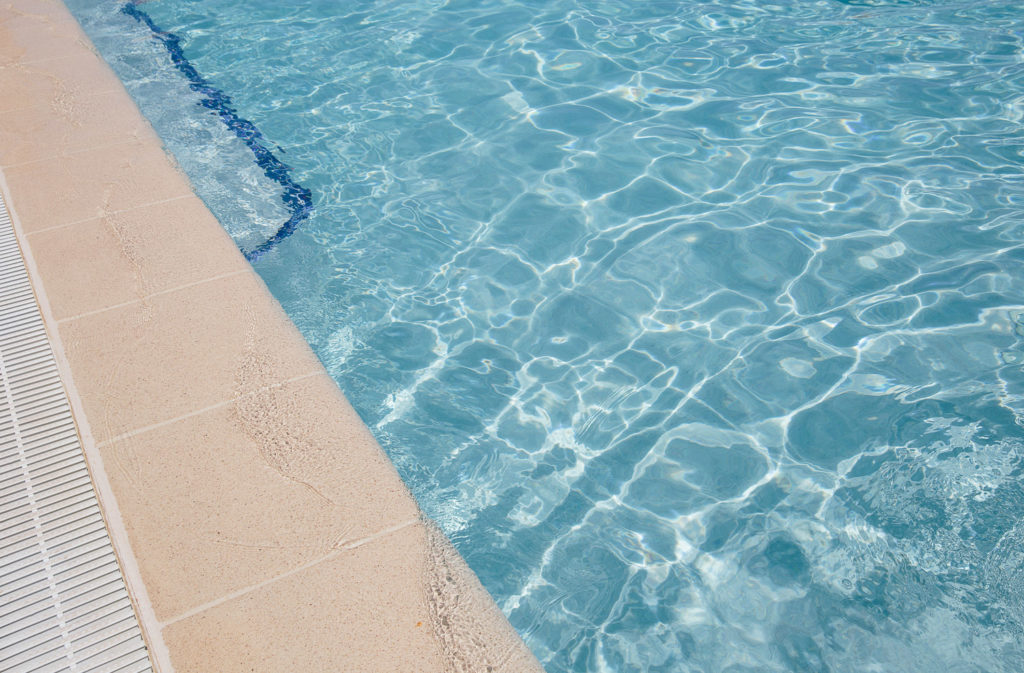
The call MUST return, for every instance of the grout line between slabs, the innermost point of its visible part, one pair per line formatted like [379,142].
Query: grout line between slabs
[337,551]
[32,233]
[61,155]
[140,300]
[139,431]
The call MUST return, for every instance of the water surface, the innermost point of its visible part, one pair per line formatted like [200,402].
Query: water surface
[698,326]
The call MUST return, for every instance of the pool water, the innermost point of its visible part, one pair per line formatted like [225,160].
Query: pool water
[698,326]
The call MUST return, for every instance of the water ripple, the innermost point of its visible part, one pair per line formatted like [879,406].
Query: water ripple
[698,326]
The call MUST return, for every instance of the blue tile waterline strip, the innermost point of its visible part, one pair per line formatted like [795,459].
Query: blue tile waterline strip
[298,199]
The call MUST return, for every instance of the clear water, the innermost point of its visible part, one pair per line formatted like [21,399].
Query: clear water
[698,326]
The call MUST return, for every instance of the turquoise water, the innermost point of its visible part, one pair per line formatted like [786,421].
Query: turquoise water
[698,326]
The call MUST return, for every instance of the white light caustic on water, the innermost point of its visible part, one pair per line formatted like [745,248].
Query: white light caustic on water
[696,326]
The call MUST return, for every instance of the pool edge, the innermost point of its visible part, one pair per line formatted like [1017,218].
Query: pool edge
[76,320]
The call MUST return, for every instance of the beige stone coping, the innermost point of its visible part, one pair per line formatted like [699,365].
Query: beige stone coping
[258,523]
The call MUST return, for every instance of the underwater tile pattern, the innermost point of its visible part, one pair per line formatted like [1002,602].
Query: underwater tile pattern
[698,327]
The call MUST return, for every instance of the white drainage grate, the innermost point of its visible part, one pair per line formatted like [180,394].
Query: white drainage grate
[63,602]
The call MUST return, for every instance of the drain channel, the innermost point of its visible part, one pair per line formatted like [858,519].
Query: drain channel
[63,601]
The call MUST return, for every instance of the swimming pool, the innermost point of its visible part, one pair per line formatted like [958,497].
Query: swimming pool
[699,327]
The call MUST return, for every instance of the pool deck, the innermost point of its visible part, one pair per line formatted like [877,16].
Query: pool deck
[258,524]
